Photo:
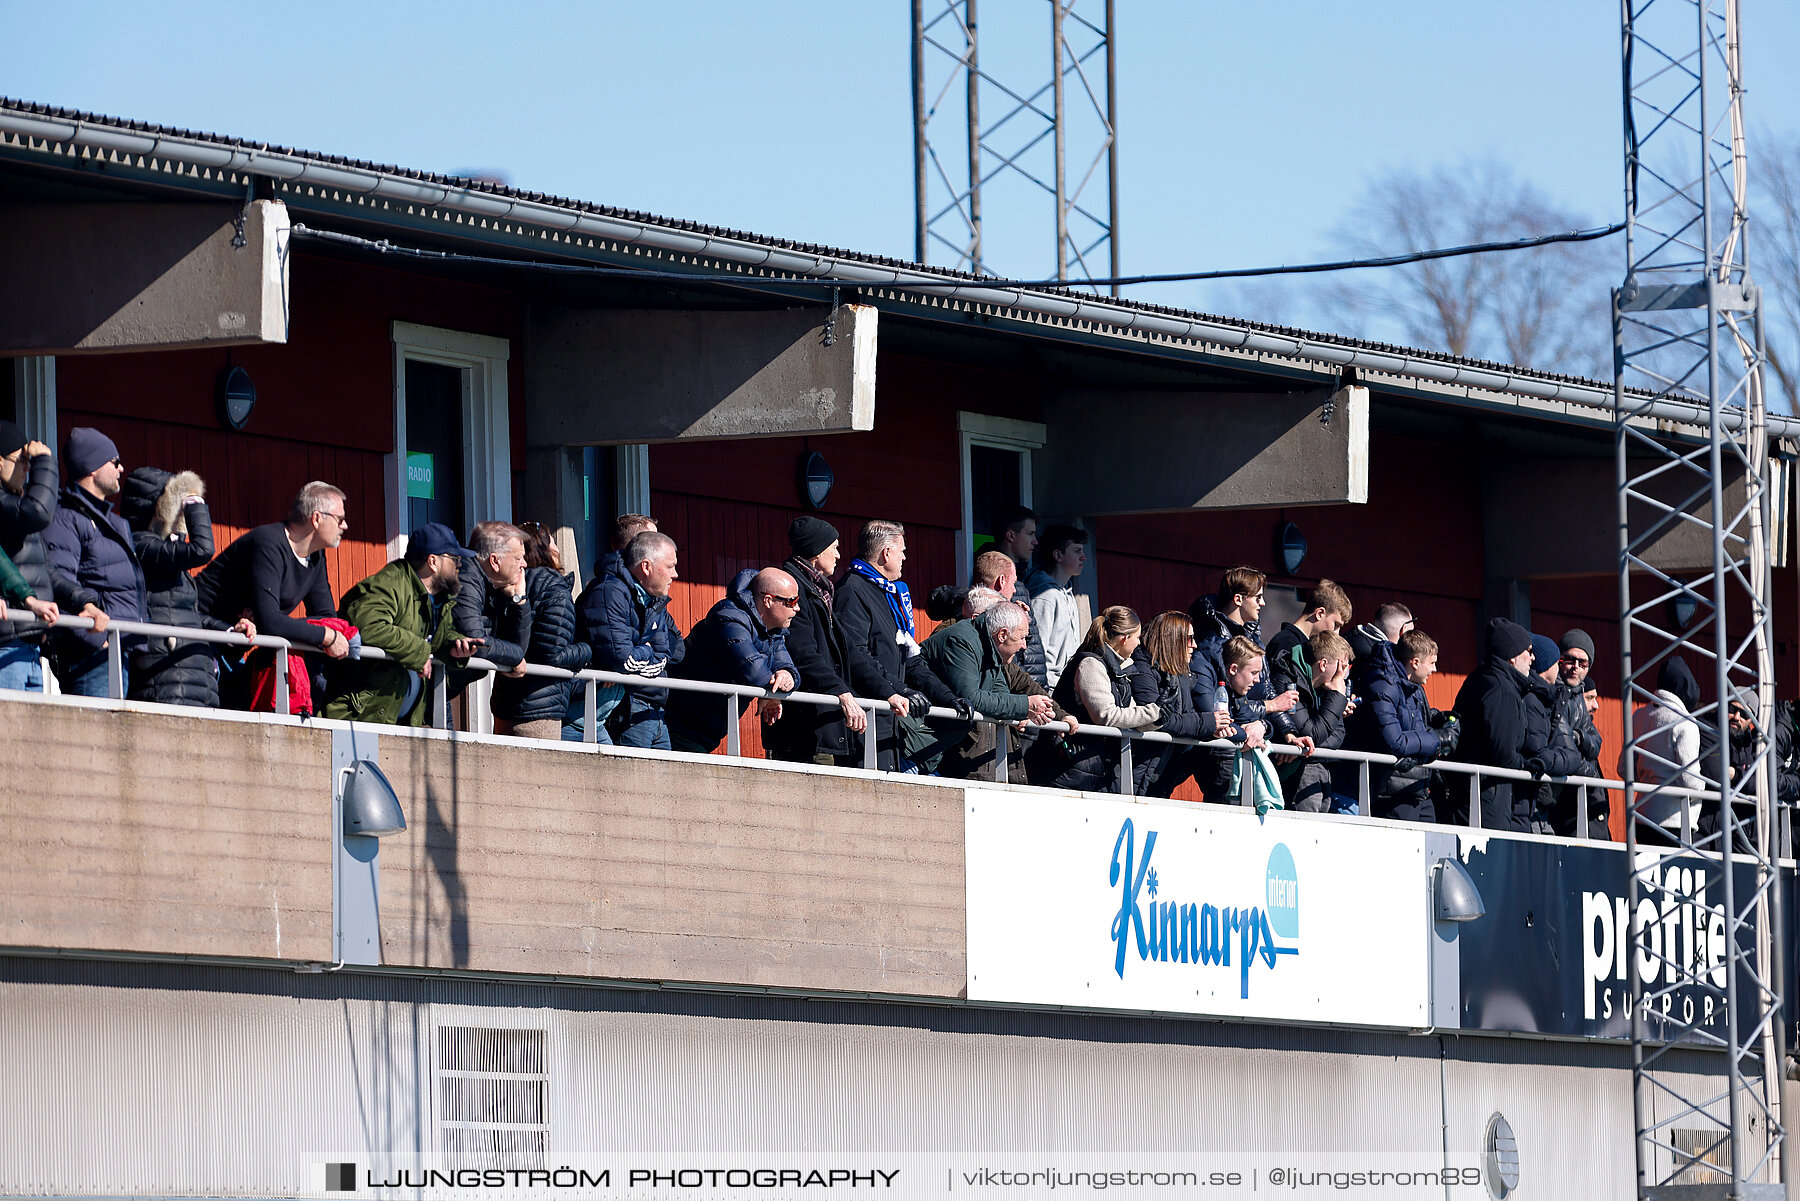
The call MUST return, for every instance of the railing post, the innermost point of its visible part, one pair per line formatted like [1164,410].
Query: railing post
[1687,819]
[590,703]
[282,667]
[115,667]
[1125,767]
[733,737]
[1581,821]
[1475,800]
[869,737]
[1002,750]
[440,701]
[1365,801]
[1786,828]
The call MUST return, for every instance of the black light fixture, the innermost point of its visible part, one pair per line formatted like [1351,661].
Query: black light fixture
[1290,547]
[815,479]
[236,397]
[1682,607]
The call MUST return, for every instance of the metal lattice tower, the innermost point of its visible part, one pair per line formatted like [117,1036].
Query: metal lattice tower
[1029,141]
[1705,958]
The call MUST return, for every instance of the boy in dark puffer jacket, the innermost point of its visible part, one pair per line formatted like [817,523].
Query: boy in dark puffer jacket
[1395,719]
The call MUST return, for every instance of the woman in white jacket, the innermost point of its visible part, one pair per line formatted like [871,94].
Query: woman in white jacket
[1670,753]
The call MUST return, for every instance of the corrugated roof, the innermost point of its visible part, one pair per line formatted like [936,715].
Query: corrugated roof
[788,244]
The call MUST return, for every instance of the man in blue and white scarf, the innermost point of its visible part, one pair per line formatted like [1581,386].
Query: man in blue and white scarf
[874,611]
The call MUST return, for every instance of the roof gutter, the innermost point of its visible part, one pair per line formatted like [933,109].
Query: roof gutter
[364,181]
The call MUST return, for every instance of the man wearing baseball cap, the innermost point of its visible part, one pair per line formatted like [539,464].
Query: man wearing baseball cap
[404,610]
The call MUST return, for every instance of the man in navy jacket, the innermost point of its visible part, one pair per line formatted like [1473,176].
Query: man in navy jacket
[743,640]
[92,545]
[624,616]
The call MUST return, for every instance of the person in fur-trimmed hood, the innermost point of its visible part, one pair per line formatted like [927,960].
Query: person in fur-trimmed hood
[171,530]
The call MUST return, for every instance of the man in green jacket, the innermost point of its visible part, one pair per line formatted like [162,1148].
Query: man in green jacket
[405,610]
[971,657]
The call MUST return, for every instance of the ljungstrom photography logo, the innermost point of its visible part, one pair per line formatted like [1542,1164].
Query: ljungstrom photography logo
[334,1177]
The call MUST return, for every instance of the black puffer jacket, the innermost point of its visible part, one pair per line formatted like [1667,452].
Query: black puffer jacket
[171,540]
[23,520]
[552,644]
[1491,705]
[1151,685]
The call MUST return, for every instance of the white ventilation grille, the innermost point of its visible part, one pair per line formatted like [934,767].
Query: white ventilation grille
[493,1096]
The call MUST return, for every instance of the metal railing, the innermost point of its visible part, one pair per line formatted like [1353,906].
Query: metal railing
[731,694]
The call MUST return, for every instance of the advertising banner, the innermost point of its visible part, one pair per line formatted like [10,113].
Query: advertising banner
[1550,957]
[1147,906]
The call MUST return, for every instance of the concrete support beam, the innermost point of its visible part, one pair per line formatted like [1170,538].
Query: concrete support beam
[1545,518]
[599,377]
[114,277]
[1160,452]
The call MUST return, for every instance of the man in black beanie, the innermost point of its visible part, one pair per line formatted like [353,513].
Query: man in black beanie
[1491,706]
[91,544]
[27,507]
[812,733]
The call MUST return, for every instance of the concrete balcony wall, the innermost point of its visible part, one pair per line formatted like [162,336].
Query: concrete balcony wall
[158,832]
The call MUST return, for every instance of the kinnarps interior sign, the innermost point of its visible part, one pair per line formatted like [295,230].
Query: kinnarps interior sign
[1194,909]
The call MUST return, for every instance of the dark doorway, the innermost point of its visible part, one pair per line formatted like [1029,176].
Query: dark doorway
[993,488]
[434,445]
[9,397]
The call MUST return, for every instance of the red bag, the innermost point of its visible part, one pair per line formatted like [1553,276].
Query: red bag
[299,681]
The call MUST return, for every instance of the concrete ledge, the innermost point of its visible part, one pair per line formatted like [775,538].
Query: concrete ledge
[110,277]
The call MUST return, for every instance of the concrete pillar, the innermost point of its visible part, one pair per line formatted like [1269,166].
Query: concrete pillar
[128,276]
[598,377]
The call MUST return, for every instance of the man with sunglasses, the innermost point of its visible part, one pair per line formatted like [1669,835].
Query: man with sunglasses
[27,507]
[92,545]
[1573,724]
[742,640]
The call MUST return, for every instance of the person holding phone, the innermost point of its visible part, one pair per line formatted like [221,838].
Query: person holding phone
[404,610]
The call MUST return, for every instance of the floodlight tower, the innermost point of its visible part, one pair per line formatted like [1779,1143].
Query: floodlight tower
[1038,132]
[1706,1028]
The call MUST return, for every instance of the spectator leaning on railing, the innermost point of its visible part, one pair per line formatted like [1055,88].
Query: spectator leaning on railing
[1390,621]
[741,640]
[1163,662]
[809,733]
[1321,681]
[27,506]
[534,706]
[1096,688]
[972,656]
[92,545]
[1551,747]
[1574,726]
[405,611]
[874,609]
[624,616]
[625,527]
[172,528]
[269,570]
[1233,612]
[1394,718]
[492,606]
[1491,706]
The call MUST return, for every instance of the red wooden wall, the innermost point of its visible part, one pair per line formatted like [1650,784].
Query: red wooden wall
[325,400]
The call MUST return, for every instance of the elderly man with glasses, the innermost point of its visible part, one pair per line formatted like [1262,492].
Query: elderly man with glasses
[742,640]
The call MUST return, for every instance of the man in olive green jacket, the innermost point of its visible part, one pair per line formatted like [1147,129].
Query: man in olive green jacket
[404,609]
[973,657]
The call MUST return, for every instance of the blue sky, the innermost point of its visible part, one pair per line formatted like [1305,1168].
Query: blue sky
[1246,130]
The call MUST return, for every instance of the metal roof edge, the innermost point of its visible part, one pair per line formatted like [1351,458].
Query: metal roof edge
[503,204]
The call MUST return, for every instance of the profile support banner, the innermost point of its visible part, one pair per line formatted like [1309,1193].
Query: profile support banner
[1195,909]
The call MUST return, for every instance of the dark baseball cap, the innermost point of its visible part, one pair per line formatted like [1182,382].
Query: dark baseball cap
[436,538]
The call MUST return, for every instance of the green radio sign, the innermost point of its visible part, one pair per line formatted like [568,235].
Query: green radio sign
[421,476]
